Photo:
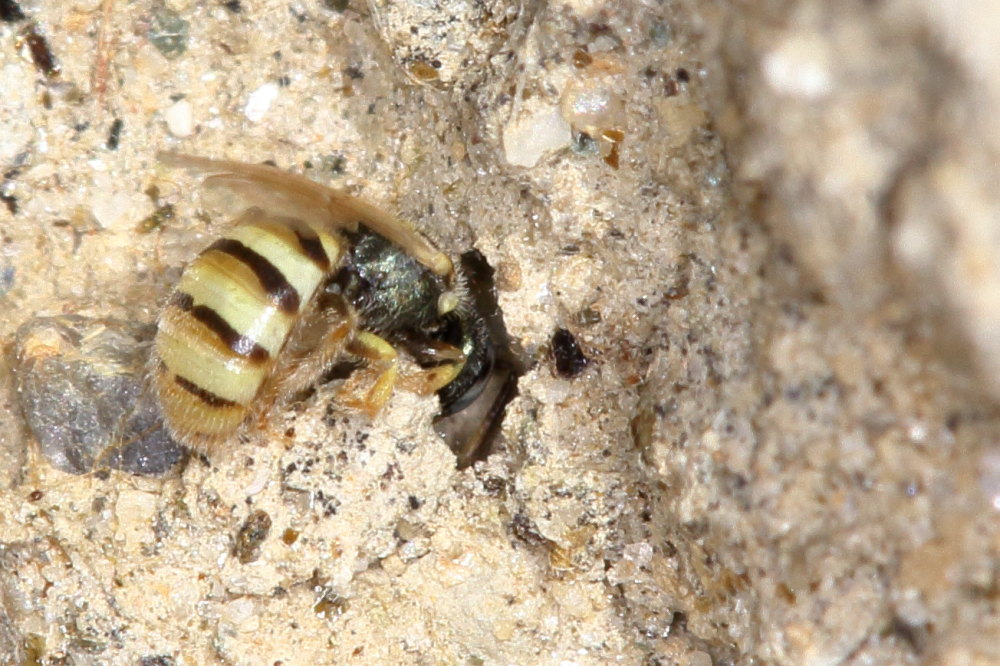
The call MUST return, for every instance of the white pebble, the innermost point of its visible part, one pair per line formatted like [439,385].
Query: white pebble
[260,101]
[800,67]
[527,139]
[180,119]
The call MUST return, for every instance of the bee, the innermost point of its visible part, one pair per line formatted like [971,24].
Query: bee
[306,277]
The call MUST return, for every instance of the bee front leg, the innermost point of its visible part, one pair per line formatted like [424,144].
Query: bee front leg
[385,359]
[449,361]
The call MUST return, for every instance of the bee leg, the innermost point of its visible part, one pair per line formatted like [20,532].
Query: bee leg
[384,357]
[306,358]
[435,352]
[430,380]
[301,372]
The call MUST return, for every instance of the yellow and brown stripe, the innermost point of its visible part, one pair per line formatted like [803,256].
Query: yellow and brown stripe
[223,329]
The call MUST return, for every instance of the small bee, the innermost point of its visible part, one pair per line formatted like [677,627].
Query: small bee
[307,277]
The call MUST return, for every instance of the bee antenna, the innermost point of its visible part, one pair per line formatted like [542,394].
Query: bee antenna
[456,299]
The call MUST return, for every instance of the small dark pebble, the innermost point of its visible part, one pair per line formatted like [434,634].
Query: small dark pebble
[233,5]
[10,12]
[331,604]
[10,202]
[157,660]
[252,534]
[41,54]
[525,530]
[335,163]
[163,214]
[495,486]
[584,144]
[568,356]
[115,134]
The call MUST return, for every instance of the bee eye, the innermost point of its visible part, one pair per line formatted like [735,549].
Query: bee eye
[447,302]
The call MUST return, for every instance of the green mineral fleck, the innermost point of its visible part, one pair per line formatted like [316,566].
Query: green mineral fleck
[156,220]
[584,144]
[168,32]
[661,34]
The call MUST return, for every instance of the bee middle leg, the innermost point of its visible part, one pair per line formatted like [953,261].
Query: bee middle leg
[385,361]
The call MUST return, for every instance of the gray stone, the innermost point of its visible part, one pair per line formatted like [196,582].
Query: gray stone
[81,388]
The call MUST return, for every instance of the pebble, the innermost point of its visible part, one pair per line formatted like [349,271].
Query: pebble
[168,32]
[260,102]
[180,119]
[800,67]
[527,139]
[80,385]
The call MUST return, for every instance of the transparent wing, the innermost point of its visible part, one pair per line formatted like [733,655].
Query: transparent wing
[293,195]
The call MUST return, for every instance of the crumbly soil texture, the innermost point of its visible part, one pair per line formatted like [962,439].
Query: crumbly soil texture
[746,253]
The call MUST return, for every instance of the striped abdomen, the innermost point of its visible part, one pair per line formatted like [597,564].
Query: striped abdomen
[223,329]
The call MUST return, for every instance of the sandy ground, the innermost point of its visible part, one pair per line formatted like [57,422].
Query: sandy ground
[772,228]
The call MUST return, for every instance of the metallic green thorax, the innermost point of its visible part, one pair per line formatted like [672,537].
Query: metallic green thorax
[389,289]
[397,297]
